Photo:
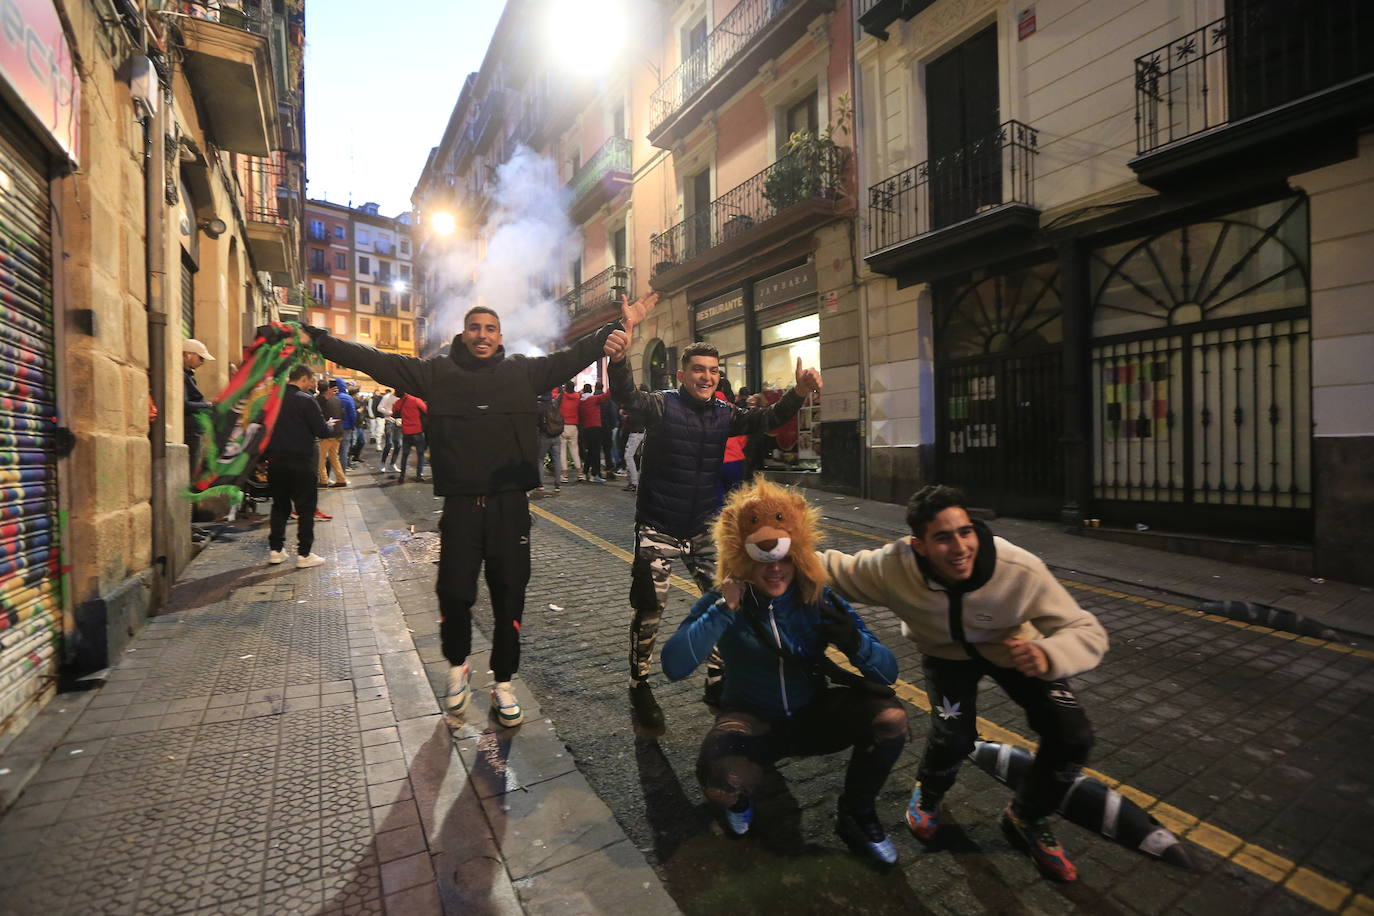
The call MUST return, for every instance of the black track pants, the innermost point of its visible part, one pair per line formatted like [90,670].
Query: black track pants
[476,530]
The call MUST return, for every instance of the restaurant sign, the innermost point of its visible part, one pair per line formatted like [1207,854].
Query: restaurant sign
[722,309]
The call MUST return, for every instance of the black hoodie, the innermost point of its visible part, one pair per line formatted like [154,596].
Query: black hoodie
[482,426]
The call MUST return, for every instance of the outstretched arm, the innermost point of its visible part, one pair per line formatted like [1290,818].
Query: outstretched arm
[752,420]
[610,340]
[404,373]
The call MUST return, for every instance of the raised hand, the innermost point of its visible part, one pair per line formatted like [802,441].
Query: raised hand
[617,345]
[632,313]
[837,628]
[808,380]
[732,591]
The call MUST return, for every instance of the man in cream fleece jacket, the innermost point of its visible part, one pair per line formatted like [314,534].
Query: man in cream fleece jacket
[978,605]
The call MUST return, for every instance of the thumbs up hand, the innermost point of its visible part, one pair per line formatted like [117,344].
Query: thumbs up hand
[808,380]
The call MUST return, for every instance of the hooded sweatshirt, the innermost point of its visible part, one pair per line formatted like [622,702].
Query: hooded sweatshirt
[1011,594]
[481,425]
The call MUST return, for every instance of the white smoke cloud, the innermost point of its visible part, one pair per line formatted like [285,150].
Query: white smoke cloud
[530,242]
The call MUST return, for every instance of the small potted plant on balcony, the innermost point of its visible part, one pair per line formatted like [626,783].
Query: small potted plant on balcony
[809,164]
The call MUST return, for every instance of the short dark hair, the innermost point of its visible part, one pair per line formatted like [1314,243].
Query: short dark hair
[700,348]
[300,372]
[930,501]
[587,388]
[570,386]
[480,310]
[598,388]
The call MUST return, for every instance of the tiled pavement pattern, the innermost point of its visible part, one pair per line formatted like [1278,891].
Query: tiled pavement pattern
[269,745]
[1265,737]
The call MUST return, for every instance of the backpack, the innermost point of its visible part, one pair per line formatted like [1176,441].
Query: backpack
[550,419]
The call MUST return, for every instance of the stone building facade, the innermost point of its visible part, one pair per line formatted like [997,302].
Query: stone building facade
[158,203]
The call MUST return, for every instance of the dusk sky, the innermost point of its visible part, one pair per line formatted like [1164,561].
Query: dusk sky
[380,81]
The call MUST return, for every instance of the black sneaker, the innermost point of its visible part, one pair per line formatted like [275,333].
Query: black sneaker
[863,832]
[715,685]
[646,708]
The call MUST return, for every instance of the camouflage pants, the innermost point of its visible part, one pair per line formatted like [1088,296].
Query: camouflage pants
[653,565]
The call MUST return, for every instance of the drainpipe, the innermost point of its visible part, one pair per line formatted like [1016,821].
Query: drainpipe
[855,243]
[154,222]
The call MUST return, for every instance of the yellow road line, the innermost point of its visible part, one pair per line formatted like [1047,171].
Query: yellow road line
[1165,606]
[1325,893]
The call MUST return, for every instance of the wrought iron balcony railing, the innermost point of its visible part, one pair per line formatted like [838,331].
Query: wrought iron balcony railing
[602,289]
[266,198]
[614,156]
[730,36]
[246,15]
[1262,54]
[995,170]
[317,234]
[788,181]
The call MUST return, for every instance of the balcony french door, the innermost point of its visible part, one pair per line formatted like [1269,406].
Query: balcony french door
[962,113]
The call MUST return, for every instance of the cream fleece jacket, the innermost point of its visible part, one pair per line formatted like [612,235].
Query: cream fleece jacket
[1021,600]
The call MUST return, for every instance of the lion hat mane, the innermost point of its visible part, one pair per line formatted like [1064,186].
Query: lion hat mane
[763,522]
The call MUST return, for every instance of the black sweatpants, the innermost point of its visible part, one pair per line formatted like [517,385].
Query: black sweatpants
[1051,709]
[476,530]
[590,442]
[741,747]
[291,480]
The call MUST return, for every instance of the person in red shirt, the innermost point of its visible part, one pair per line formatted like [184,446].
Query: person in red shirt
[568,439]
[590,431]
[412,411]
[732,466]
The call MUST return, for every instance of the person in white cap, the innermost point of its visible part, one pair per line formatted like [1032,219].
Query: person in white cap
[194,354]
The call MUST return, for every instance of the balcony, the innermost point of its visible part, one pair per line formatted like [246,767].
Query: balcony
[792,196]
[960,208]
[752,33]
[490,118]
[229,66]
[597,300]
[317,235]
[319,267]
[269,209]
[876,15]
[1261,87]
[600,179]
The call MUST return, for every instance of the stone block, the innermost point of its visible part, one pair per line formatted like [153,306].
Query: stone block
[839,352]
[1344,504]
[106,623]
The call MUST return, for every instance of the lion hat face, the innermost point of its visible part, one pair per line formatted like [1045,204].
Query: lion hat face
[763,522]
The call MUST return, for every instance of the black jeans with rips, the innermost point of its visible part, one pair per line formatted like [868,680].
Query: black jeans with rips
[477,531]
[291,480]
[1052,710]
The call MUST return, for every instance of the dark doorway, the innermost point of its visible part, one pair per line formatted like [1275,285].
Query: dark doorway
[999,390]
[962,118]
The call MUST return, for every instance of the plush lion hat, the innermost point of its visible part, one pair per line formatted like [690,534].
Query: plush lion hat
[763,522]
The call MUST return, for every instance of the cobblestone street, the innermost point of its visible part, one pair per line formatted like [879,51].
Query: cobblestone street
[271,745]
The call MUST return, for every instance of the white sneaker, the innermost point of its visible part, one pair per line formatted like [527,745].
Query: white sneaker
[306,562]
[456,700]
[505,705]
[275,556]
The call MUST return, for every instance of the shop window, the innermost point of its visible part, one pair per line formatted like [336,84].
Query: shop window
[796,444]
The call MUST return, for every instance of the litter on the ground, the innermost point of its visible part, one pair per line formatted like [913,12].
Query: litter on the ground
[555,607]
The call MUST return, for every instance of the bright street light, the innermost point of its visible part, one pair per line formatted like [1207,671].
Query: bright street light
[443,223]
[399,286]
[584,42]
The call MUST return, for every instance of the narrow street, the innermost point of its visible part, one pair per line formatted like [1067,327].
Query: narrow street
[1254,741]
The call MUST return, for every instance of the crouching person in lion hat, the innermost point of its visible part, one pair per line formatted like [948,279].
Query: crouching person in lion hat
[772,618]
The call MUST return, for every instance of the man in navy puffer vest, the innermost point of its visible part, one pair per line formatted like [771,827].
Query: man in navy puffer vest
[684,444]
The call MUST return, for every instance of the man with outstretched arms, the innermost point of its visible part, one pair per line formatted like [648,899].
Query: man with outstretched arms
[977,605]
[483,439]
[679,496]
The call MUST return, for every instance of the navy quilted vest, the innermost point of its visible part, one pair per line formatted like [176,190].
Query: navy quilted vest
[679,486]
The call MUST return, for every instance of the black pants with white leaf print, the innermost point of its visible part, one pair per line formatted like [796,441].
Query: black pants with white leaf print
[1051,709]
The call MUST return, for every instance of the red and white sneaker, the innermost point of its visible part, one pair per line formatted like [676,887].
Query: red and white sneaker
[1036,838]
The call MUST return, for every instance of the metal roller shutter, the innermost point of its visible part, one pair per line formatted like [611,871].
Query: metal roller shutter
[30,595]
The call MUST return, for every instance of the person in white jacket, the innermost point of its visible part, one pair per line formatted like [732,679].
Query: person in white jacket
[390,439]
[976,606]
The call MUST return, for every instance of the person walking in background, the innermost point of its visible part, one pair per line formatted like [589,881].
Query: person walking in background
[391,431]
[364,405]
[589,429]
[610,417]
[290,476]
[568,405]
[634,425]
[733,465]
[331,407]
[349,422]
[194,354]
[412,411]
[550,432]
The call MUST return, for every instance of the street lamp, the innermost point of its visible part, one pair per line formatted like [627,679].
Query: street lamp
[443,223]
[399,286]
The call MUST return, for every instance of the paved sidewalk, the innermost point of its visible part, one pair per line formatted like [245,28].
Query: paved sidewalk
[1337,604]
[271,744]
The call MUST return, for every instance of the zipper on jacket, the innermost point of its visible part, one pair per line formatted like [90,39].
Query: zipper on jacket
[782,680]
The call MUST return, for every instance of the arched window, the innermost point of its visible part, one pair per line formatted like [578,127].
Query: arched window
[657,372]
